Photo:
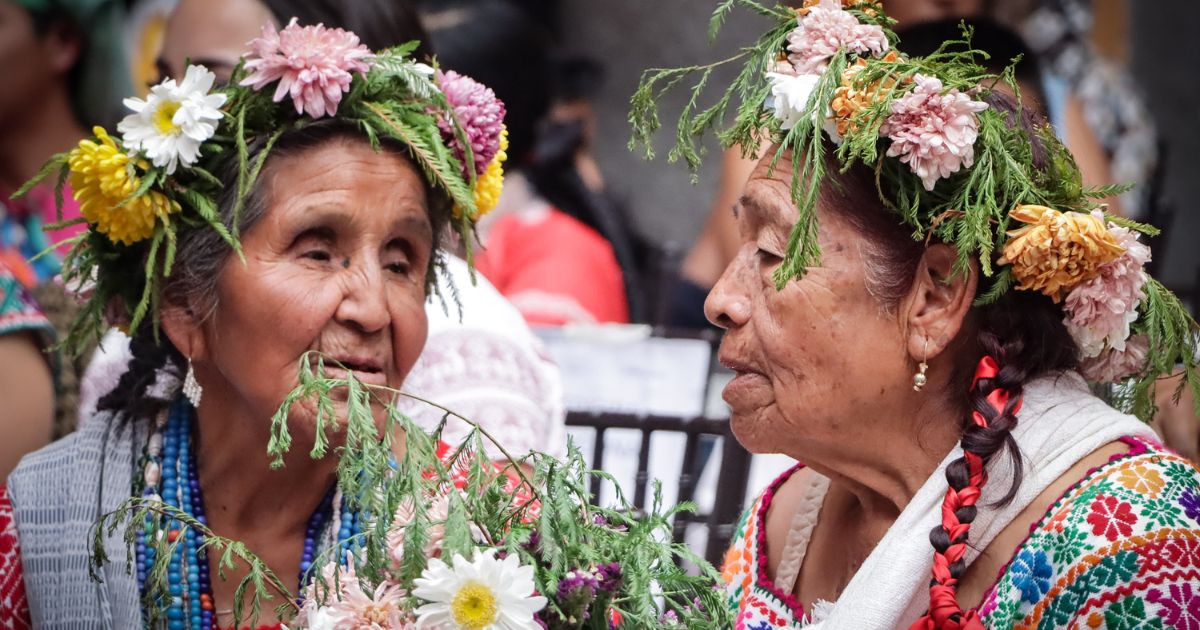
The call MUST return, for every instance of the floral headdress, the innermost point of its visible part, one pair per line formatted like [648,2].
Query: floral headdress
[140,189]
[951,167]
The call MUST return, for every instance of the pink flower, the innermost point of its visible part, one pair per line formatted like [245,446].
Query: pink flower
[825,30]
[337,601]
[480,114]
[438,512]
[1114,365]
[933,133]
[1100,309]
[382,609]
[312,63]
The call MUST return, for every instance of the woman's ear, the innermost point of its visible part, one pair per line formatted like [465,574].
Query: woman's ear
[184,331]
[938,301]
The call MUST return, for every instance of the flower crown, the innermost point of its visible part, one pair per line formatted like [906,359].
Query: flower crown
[950,166]
[139,190]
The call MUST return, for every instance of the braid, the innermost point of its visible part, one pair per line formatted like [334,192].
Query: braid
[996,390]
[150,381]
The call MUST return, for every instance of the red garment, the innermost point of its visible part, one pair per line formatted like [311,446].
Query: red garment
[14,607]
[554,269]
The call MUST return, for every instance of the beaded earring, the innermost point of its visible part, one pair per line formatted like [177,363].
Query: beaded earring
[191,388]
[919,379]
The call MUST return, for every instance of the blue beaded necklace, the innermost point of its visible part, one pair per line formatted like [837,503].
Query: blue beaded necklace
[170,476]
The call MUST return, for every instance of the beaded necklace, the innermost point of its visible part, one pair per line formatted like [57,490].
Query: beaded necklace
[170,476]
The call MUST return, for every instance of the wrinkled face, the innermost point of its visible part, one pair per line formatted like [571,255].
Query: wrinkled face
[337,265]
[911,12]
[212,33]
[816,361]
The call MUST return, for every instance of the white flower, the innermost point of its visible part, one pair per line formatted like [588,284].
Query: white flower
[789,95]
[484,594]
[323,618]
[174,120]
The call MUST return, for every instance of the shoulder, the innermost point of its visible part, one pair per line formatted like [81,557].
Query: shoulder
[1122,547]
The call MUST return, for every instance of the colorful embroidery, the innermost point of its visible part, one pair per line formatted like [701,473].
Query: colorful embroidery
[1120,550]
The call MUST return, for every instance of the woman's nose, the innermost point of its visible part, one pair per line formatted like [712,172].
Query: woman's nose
[728,304]
[364,302]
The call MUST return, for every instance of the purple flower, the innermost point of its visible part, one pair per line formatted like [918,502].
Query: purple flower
[609,576]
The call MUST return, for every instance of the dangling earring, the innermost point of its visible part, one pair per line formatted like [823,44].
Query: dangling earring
[192,389]
[919,378]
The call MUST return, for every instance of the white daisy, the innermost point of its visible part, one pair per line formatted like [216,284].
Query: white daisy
[484,594]
[174,120]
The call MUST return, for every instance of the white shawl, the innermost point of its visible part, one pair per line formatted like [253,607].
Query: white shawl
[1060,423]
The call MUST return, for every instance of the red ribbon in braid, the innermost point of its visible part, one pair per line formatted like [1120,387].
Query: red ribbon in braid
[944,611]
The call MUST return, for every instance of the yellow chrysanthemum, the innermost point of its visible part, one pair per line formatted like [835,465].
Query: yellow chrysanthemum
[101,181]
[1057,250]
[490,184]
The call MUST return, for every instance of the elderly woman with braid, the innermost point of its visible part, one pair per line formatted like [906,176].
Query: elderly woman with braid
[922,295]
[240,233]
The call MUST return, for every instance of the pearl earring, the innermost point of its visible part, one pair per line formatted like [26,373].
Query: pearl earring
[191,388]
[919,379]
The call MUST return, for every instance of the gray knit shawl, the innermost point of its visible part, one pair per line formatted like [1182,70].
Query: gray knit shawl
[58,493]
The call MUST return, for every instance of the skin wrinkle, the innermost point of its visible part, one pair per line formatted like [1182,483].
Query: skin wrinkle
[824,370]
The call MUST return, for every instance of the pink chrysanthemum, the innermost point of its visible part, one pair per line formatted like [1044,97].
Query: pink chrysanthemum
[438,512]
[479,112]
[826,29]
[1114,365]
[932,132]
[1100,309]
[312,63]
[360,610]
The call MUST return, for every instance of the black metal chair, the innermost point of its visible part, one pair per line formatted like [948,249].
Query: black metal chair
[731,481]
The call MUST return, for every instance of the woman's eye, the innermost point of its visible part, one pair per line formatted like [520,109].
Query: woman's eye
[400,267]
[318,255]
[766,255]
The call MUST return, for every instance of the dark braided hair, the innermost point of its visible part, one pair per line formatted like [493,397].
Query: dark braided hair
[1022,332]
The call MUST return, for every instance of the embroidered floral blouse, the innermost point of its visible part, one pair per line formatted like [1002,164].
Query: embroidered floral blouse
[1120,549]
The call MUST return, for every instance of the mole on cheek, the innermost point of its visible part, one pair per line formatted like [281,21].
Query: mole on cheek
[346,263]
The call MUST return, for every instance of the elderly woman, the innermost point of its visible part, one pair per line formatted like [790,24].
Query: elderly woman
[332,183]
[904,322]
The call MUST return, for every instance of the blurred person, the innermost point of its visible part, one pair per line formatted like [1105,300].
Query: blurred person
[26,373]
[214,33]
[63,69]
[542,257]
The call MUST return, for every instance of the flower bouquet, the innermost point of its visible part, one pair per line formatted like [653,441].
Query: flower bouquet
[442,536]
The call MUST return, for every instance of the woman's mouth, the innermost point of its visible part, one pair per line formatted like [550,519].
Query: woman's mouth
[364,370]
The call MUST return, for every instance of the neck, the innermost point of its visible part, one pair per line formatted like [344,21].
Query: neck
[28,140]
[240,487]
[879,474]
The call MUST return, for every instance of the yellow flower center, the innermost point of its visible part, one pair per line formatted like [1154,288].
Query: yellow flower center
[164,118]
[474,606]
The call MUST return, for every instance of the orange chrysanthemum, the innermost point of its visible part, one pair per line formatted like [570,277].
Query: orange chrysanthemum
[1057,250]
[848,99]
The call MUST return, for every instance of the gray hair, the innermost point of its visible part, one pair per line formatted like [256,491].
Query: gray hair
[202,253]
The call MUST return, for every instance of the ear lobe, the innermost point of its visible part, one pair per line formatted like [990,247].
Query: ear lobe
[184,331]
[938,301]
